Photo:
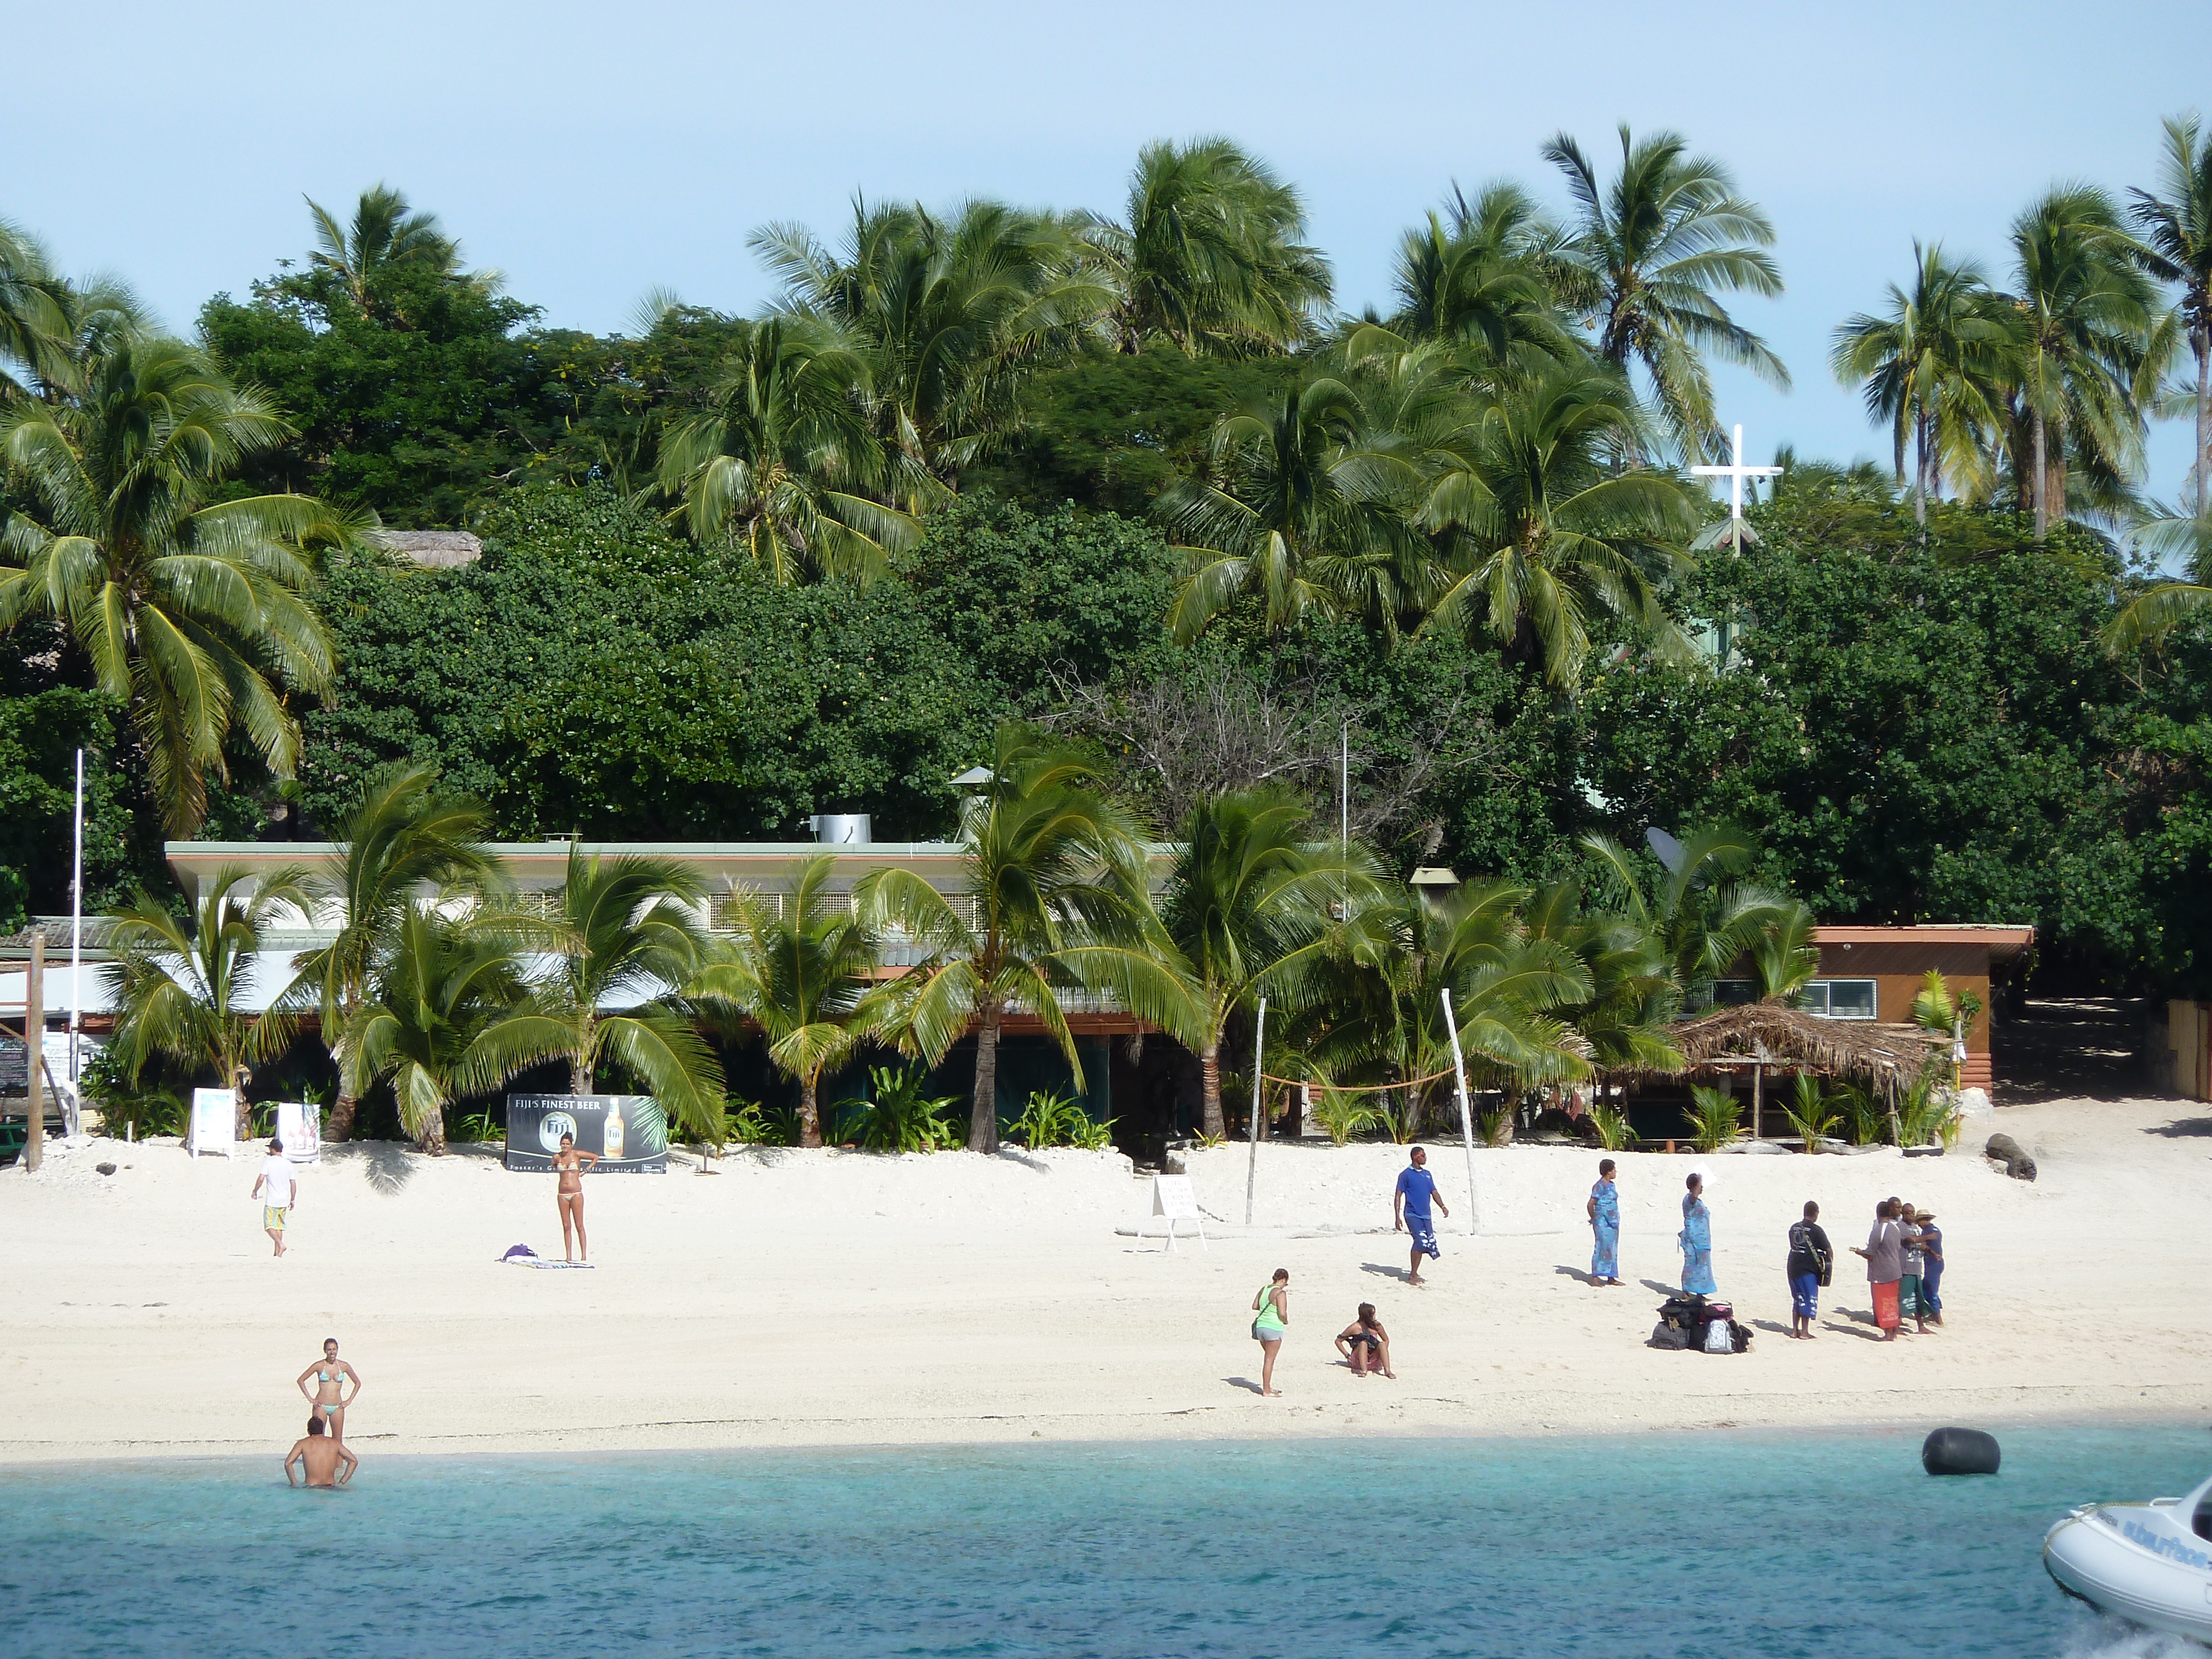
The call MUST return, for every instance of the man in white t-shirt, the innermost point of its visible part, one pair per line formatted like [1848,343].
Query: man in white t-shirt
[277,1188]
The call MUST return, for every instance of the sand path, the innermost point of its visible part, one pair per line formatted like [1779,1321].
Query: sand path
[799,1298]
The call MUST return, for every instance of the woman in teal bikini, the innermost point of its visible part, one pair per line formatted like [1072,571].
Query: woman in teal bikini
[330,1374]
[1271,1307]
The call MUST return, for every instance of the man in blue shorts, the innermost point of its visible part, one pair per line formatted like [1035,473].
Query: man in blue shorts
[1409,1211]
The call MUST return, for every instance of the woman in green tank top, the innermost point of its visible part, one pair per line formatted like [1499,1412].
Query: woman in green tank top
[1271,1305]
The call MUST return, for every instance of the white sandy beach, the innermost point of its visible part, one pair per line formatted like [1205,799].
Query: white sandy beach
[798,1298]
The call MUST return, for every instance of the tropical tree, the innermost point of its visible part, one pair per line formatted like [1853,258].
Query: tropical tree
[1248,907]
[2175,226]
[1704,917]
[799,968]
[624,948]
[403,836]
[2089,351]
[1308,513]
[1480,275]
[1652,251]
[1931,367]
[784,464]
[1783,958]
[1538,533]
[385,233]
[1632,997]
[35,310]
[194,609]
[1056,897]
[440,985]
[189,988]
[1206,255]
[951,314]
[2147,617]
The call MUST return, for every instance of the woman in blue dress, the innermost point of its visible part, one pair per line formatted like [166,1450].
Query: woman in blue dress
[1604,1212]
[1696,1241]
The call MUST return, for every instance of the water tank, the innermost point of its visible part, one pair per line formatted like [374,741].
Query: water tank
[840,828]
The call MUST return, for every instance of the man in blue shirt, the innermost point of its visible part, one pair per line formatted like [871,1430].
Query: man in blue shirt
[1409,1212]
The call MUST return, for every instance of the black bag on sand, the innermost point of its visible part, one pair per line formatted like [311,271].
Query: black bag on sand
[1664,1335]
[1681,1323]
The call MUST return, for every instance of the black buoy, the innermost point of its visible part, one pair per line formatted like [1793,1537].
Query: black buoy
[1959,1451]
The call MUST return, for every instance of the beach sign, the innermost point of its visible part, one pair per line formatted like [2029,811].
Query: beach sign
[628,1132]
[215,1122]
[1175,1200]
[297,1127]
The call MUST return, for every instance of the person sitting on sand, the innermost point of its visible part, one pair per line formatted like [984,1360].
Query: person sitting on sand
[569,1197]
[1271,1307]
[1812,1259]
[1409,1212]
[1696,1239]
[329,1396]
[1604,1212]
[1365,1345]
[276,1187]
[321,1460]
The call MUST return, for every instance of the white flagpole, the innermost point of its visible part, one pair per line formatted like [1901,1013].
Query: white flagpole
[76,928]
[1252,1162]
[1466,1117]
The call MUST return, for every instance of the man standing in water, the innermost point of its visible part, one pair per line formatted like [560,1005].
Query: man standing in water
[1409,1212]
[275,1187]
[328,1396]
[322,1461]
[569,1198]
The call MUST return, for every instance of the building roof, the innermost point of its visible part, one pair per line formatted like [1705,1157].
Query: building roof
[2005,940]
[1774,1033]
[433,549]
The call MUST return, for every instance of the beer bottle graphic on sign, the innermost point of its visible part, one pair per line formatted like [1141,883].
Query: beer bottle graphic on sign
[613,1141]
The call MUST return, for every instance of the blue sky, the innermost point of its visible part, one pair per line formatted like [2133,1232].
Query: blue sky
[594,152]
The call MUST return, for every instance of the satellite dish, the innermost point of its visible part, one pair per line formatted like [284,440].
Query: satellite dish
[1668,849]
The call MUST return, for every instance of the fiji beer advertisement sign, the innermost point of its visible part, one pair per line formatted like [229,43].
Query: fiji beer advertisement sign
[627,1131]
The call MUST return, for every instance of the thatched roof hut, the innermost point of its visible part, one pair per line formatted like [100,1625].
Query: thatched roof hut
[1763,1034]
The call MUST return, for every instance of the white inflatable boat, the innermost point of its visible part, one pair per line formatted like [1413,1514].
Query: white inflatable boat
[2150,1564]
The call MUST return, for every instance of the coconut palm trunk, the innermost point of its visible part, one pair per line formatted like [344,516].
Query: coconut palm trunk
[2202,340]
[2042,479]
[1209,1072]
[809,1110]
[983,1116]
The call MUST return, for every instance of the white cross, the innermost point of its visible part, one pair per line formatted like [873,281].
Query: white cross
[1736,473]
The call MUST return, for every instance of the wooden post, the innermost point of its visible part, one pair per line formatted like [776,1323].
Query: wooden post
[34,1042]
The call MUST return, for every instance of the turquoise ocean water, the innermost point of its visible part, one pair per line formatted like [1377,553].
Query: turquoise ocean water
[1657,1545]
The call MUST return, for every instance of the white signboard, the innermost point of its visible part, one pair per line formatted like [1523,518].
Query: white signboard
[215,1122]
[298,1126]
[1174,1200]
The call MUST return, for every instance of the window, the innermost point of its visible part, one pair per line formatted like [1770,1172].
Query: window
[1839,999]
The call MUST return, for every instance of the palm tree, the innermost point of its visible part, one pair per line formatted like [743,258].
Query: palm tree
[34,315]
[1632,996]
[803,977]
[1653,249]
[1248,905]
[2149,616]
[1931,366]
[437,989]
[2089,351]
[402,835]
[1704,917]
[1310,513]
[184,988]
[1538,533]
[783,464]
[951,314]
[1056,897]
[194,609]
[1208,254]
[1783,958]
[2176,229]
[385,233]
[625,948]
[1480,275]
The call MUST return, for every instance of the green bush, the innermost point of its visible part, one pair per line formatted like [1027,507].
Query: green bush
[1051,1118]
[898,1117]
[1344,1113]
[1716,1118]
[1614,1132]
[124,1103]
[754,1125]
[1811,1114]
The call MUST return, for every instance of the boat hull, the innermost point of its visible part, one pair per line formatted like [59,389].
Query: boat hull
[2107,1556]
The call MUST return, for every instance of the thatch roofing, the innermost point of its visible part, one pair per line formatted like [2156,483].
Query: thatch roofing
[1884,1056]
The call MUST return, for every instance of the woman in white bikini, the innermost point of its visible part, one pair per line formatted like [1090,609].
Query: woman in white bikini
[569,1197]
[330,1375]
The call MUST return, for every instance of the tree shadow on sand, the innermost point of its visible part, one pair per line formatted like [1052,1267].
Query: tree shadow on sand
[2183,1128]
[385,1165]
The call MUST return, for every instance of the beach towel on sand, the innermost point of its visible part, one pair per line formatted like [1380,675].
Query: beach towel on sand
[521,1256]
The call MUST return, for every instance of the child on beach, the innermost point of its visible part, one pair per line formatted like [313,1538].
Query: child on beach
[1365,1345]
